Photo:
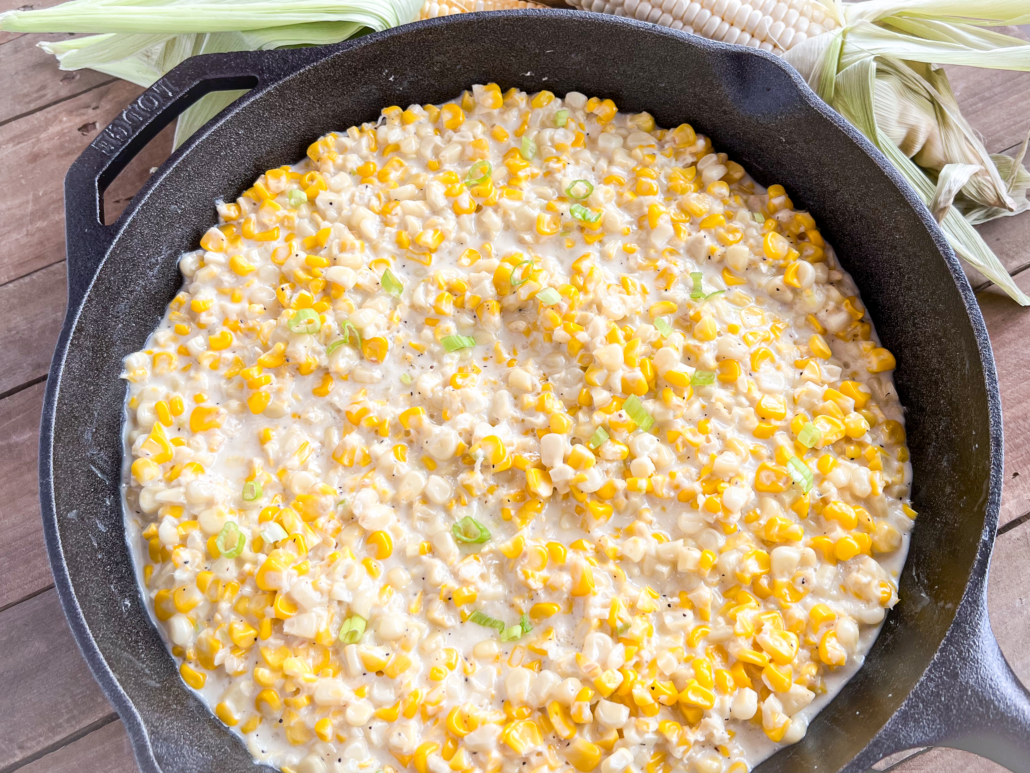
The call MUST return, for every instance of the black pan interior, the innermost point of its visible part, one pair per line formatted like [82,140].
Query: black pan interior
[753,110]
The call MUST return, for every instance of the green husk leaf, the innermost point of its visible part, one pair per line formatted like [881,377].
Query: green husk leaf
[141,40]
[855,88]
[949,183]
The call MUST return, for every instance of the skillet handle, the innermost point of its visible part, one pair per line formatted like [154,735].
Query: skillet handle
[993,702]
[86,236]
[969,698]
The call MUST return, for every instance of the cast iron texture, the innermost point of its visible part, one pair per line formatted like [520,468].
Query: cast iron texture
[935,676]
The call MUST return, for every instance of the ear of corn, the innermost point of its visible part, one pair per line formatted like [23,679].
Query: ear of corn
[771,25]
[434,8]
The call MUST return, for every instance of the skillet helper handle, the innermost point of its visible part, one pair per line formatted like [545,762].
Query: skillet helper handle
[969,698]
[995,704]
[86,236]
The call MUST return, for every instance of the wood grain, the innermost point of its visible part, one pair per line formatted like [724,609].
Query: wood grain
[31,310]
[105,749]
[23,563]
[40,82]
[48,692]
[946,761]
[12,5]
[35,153]
[1009,329]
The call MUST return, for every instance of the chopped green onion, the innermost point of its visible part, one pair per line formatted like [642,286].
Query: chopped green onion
[305,321]
[526,625]
[597,439]
[470,531]
[579,189]
[663,326]
[697,292]
[583,214]
[528,149]
[622,628]
[638,413]
[353,629]
[391,283]
[809,436]
[333,347]
[524,275]
[230,540]
[759,217]
[702,378]
[273,532]
[342,503]
[296,197]
[348,330]
[479,173]
[406,378]
[457,343]
[252,490]
[548,296]
[800,473]
[486,621]
[561,118]
[512,633]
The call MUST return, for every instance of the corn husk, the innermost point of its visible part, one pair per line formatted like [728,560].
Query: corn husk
[141,40]
[881,70]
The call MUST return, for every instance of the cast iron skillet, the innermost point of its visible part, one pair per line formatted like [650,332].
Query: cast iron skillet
[935,675]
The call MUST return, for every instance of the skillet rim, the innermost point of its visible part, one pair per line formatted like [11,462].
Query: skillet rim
[296,61]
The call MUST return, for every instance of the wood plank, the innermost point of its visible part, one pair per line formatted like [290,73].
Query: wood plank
[1009,329]
[35,153]
[946,761]
[31,310]
[994,101]
[23,563]
[11,5]
[40,81]
[48,691]
[106,749]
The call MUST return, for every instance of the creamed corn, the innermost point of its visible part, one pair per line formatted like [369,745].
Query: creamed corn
[516,434]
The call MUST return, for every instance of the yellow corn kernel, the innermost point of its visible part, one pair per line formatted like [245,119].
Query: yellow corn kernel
[696,695]
[729,371]
[421,759]
[205,417]
[842,513]
[538,482]
[543,610]
[381,543]
[397,665]
[830,650]
[452,116]
[583,755]
[705,329]
[880,360]
[772,408]
[464,595]
[819,347]
[582,580]
[775,246]
[145,471]
[855,425]
[521,735]
[856,391]
[192,677]
[778,678]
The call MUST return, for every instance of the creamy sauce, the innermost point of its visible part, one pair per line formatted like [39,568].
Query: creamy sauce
[515,432]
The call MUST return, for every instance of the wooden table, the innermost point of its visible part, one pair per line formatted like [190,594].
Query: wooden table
[53,716]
